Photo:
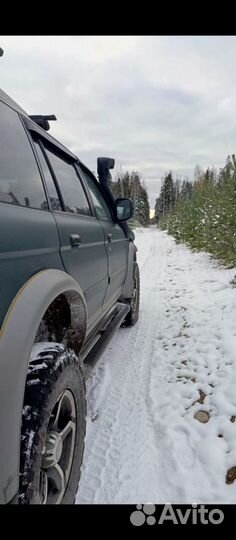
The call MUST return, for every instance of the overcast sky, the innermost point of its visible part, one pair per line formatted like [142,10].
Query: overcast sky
[153,103]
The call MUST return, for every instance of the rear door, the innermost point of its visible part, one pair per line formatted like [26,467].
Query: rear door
[117,244]
[82,243]
[29,239]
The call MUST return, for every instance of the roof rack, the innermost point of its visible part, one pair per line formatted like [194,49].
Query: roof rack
[43,120]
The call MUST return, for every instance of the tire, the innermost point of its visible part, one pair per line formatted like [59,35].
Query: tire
[132,316]
[53,427]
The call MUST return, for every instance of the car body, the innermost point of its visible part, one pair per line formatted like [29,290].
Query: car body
[66,264]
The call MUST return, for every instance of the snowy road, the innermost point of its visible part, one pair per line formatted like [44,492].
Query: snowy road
[143,443]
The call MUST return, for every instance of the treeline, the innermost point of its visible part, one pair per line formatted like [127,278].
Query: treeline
[171,192]
[130,185]
[202,212]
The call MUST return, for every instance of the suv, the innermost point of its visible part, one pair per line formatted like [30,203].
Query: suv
[68,279]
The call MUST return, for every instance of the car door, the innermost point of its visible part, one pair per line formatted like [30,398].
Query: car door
[29,239]
[117,244]
[82,245]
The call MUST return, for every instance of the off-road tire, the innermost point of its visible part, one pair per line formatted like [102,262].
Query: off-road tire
[53,371]
[132,316]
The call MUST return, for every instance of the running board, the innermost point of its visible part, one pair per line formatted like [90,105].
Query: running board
[95,352]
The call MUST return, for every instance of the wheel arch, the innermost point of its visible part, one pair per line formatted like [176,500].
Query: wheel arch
[18,333]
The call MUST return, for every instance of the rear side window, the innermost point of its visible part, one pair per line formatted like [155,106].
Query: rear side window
[52,192]
[20,180]
[70,186]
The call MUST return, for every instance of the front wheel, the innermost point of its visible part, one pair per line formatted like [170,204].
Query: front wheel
[53,427]
[132,316]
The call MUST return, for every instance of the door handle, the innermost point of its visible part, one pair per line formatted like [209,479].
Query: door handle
[109,238]
[75,240]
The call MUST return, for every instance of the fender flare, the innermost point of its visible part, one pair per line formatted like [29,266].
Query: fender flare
[16,340]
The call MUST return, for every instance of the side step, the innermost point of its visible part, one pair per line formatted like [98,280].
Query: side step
[90,359]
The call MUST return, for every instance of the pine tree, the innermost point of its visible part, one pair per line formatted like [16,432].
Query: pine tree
[167,198]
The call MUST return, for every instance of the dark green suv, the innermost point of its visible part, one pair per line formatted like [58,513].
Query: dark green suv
[68,279]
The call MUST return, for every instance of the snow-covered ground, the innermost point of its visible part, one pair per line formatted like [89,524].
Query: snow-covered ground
[143,443]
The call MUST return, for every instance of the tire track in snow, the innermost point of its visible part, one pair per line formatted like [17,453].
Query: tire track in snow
[124,405]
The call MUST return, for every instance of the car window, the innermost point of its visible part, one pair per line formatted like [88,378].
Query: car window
[52,191]
[20,180]
[100,206]
[70,186]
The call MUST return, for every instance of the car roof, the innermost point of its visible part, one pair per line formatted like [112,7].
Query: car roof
[9,101]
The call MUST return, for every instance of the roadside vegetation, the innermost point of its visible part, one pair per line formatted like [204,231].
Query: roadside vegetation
[202,213]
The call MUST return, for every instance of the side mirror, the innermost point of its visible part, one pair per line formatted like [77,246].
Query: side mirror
[124,209]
